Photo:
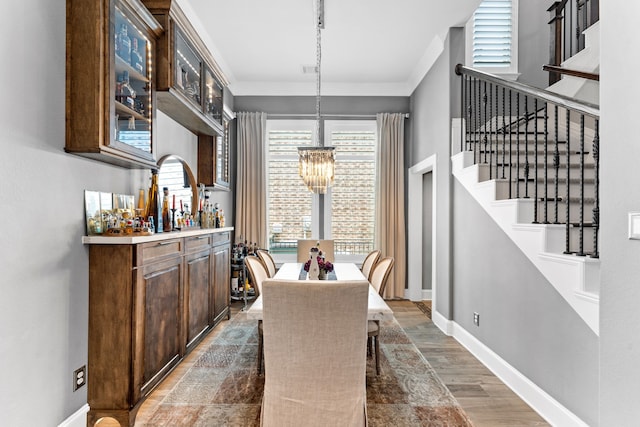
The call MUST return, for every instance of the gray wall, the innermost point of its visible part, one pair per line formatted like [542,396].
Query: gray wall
[43,308]
[431,104]
[620,151]
[522,317]
[533,41]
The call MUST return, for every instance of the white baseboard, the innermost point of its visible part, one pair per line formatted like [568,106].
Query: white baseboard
[425,295]
[545,405]
[77,419]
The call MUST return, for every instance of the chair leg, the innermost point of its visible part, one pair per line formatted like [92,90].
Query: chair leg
[260,350]
[369,352]
[377,349]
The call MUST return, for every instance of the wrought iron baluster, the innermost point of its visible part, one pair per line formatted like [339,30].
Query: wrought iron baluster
[484,123]
[477,117]
[567,192]
[546,161]
[526,154]
[494,119]
[517,145]
[510,145]
[504,135]
[462,113]
[535,160]
[581,231]
[596,189]
[469,112]
[556,163]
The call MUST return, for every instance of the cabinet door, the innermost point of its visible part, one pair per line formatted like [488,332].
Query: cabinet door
[197,285]
[221,281]
[158,299]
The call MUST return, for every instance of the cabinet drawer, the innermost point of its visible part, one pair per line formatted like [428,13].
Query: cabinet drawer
[196,243]
[157,250]
[219,238]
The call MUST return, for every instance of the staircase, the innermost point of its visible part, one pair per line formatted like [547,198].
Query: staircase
[530,159]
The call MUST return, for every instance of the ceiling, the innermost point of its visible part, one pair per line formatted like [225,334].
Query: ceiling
[369,47]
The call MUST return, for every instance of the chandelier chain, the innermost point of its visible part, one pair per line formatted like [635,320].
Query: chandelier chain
[318,69]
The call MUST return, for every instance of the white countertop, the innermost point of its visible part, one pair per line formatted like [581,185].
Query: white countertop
[128,240]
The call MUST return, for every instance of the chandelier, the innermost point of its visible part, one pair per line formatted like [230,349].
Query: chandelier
[317,163]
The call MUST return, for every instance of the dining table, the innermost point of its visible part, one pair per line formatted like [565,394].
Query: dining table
[377,307]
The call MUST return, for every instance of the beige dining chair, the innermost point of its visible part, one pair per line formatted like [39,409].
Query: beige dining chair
[258,274]
[379,276]
[326,246]
[369,262]
[268,261]
[315,335]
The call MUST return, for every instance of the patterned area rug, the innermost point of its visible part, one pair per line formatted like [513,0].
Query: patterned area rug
[223,388]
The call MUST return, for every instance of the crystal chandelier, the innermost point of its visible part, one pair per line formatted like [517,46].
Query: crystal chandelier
[317,164]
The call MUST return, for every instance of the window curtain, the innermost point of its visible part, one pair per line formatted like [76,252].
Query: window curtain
[251,191]
[390,219]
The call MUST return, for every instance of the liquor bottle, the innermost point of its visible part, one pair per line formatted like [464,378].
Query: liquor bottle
[151,210]
[124,44]
[124,92]
[166,216]
[136,58]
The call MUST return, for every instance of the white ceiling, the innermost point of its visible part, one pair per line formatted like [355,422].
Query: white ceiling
[369,47]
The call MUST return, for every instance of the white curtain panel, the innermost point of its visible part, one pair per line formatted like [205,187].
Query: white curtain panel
[390,219]
[251,190]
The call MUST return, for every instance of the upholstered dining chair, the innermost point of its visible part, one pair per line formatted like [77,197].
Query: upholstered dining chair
[326,246]
[379,276]
[268,261]
[314,376]
[369,262]
[258,274]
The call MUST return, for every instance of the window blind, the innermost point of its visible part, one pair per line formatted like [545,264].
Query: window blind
[492,28]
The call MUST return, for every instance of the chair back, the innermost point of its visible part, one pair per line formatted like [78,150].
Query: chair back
[369,262]
[380,274]
[315,335]
[326,246]
[257,271]
[268,261]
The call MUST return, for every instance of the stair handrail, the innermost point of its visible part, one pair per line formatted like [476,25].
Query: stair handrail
[571,72]
[584,107]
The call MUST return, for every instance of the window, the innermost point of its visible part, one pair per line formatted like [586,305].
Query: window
[346,213]
[492,37]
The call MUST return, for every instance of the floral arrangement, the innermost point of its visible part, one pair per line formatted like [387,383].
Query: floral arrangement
[323,265]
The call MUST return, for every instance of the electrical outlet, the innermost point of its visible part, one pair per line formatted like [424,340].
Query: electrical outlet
[79,377]
[476,319]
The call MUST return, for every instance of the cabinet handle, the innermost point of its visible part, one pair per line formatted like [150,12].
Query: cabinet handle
[164,243]
[202,237]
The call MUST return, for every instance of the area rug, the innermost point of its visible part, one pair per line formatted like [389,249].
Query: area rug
[223,387]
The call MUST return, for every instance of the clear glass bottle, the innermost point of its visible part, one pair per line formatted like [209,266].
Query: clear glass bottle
[136,58]
[124,44]
[124,92]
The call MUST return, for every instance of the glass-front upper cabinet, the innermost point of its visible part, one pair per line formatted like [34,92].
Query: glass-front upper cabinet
[212,96]
[133,53]
[189,84]
[188,66]
[110,95]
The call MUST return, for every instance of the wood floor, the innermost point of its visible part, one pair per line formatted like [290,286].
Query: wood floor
[486,400]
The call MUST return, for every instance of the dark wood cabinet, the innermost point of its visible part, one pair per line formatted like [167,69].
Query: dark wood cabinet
[190,83]
[110,92]
[151,300]
[222,278]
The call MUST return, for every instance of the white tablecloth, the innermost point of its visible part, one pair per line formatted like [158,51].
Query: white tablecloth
[378,308]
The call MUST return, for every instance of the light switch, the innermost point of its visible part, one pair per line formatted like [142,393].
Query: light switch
[634,225]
